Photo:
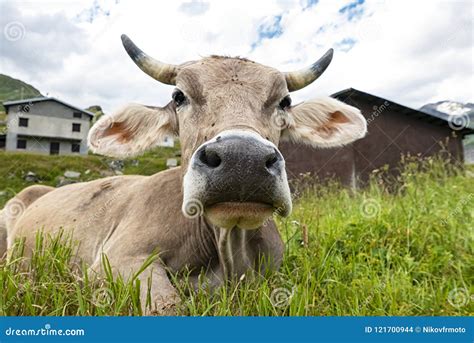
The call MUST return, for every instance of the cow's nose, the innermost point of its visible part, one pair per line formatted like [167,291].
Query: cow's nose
[240,155]
[239,167]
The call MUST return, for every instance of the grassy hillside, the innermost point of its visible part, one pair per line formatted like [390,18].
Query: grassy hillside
[13,89]
[371,252]
[49,169]
[97,110]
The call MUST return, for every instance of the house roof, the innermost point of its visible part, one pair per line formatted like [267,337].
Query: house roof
[33,100]
[432,118]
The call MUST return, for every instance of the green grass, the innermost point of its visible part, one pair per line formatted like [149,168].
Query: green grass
[370,252]
[54,283]
[14,166]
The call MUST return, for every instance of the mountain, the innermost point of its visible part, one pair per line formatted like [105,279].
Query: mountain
[13,89]
[97,110]
[446,109]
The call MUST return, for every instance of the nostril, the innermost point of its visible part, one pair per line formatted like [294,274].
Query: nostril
[271,160]
[213,160]
[210,158]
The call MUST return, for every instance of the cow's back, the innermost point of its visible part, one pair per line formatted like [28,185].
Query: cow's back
[88,211]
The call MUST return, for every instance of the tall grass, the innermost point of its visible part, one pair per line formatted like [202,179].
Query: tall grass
[378,251]
[54,282]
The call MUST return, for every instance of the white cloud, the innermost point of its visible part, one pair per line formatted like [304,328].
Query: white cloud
[194,7]
[410,52]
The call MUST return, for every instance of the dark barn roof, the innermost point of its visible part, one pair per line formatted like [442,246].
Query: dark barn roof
[33,100]
[442,119]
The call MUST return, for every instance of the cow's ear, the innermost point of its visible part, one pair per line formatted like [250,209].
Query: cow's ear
[324,122]
[132,130]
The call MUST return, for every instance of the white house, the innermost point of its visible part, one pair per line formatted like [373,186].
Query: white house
[46,125]
[49,126]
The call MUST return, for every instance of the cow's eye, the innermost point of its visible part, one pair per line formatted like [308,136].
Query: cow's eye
[178,97]
[285,102]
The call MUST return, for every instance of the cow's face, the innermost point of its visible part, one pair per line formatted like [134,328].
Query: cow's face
[230,114]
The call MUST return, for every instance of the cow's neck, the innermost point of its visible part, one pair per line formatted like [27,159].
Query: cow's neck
[233,250]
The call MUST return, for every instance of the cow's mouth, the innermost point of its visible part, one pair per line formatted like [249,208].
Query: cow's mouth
[244,215]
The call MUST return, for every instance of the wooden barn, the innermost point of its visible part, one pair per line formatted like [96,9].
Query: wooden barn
[393,130]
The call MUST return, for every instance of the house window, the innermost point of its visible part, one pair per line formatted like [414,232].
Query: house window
[76,127]
[21,144]
[23,122]
[75,147]
[77,115]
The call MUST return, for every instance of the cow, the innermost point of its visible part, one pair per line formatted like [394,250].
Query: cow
[212,215]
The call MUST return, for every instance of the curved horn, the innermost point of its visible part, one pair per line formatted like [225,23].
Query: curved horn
[165,73]
[299,79]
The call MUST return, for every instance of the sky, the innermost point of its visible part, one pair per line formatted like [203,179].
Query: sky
[411,52]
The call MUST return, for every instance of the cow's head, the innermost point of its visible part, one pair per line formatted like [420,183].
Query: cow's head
[229,114]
